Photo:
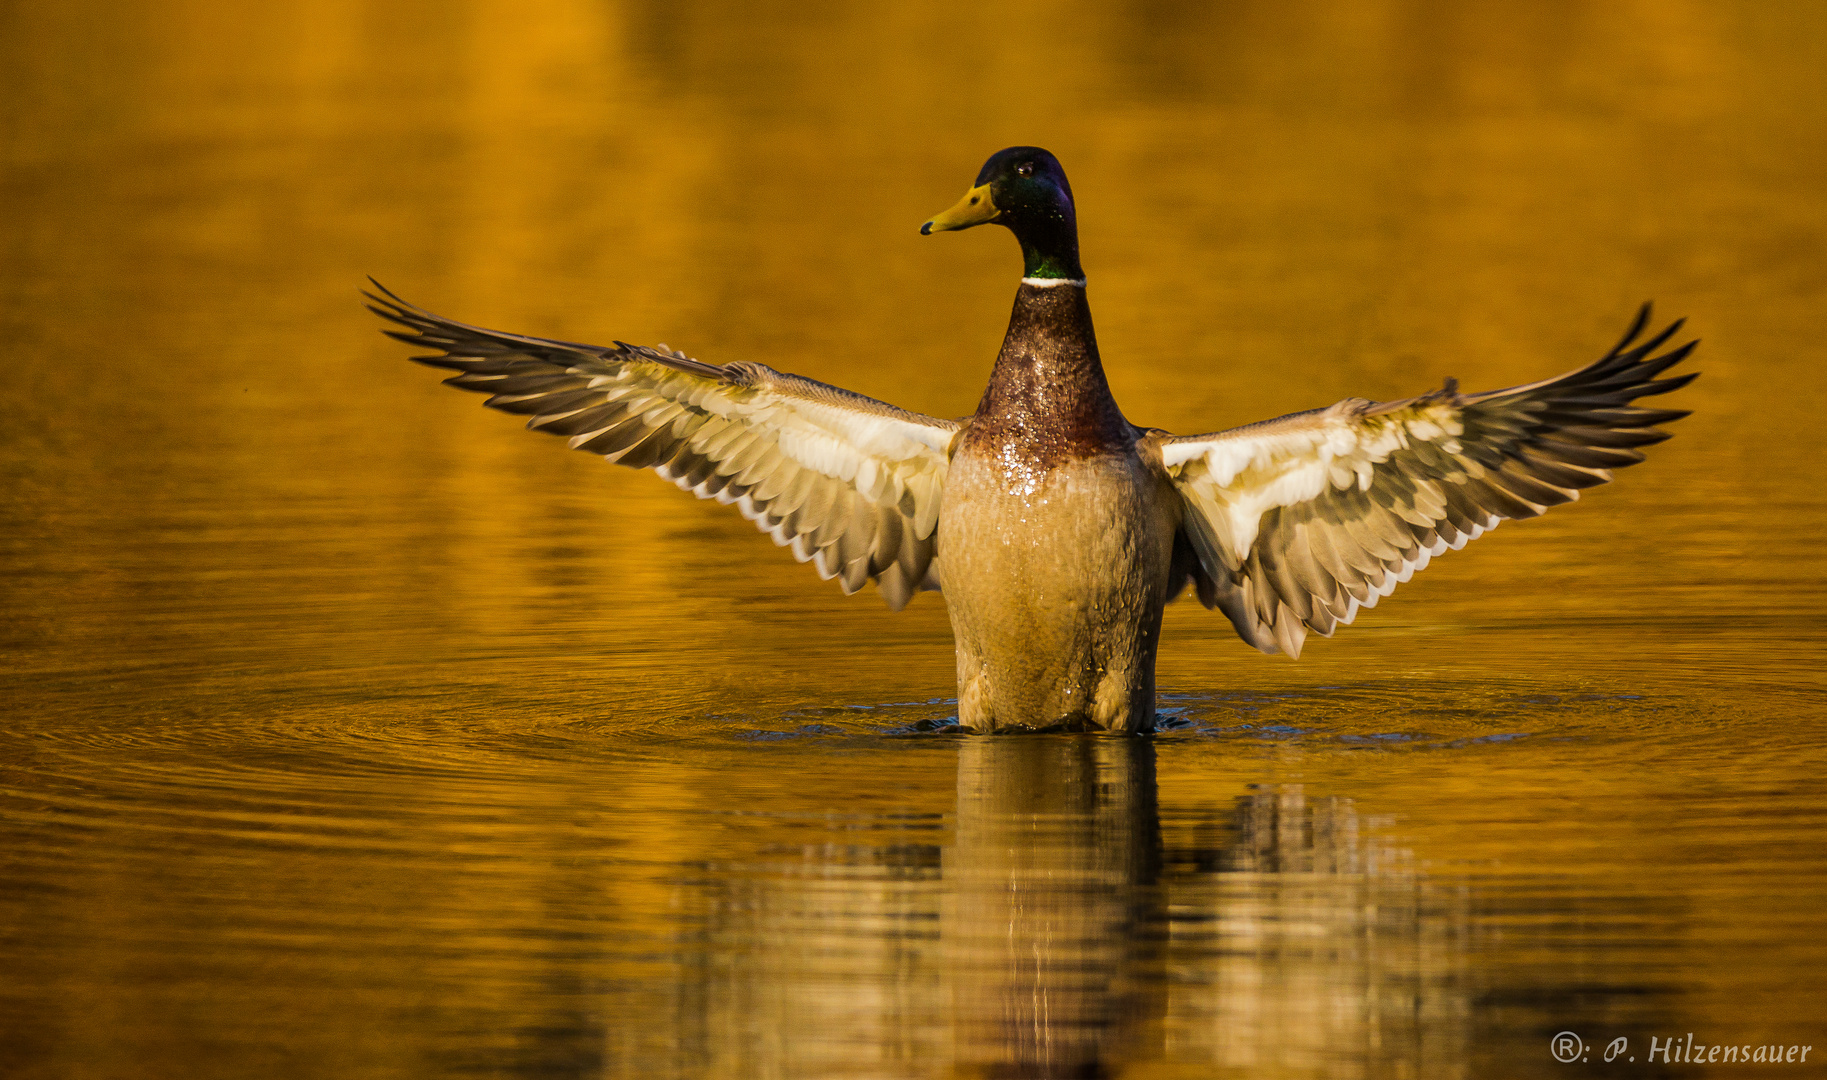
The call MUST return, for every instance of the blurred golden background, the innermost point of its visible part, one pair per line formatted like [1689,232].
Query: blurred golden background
[353,731]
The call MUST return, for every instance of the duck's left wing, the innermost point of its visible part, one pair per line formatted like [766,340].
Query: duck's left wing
[849,483]
[1299,522]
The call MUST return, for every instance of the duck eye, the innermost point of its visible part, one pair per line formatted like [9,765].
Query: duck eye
[1026,168]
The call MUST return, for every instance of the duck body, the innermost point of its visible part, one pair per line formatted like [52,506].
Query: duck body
[1056,528]
[1057,535]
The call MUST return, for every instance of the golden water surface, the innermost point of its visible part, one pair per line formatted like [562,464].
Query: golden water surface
[347,730]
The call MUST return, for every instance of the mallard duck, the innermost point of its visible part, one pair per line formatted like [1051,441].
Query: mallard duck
[1057,528]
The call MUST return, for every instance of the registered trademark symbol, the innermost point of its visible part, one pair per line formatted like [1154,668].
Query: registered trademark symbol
[1567,1047]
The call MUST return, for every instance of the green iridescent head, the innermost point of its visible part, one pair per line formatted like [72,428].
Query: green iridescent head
[1025,189]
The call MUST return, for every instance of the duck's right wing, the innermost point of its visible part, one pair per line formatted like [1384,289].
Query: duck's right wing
[849,483]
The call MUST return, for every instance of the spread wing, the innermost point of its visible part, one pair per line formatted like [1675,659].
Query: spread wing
[1300,521]
[849,483]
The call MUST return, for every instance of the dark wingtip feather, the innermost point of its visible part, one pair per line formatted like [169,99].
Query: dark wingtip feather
[393,309]
[1669,359]
[1650,346]
[1639,417]
[393,298]
[1665,386]
[442,361]
[1630,335]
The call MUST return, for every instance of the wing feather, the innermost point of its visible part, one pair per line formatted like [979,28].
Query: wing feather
[847,483]
[1299,522]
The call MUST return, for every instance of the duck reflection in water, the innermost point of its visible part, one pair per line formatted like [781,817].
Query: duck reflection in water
[1059,529]
[1281,935]
[1308,943]
[1069,927]
[1051,920]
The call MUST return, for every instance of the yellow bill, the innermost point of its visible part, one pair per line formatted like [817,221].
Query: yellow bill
[974,209]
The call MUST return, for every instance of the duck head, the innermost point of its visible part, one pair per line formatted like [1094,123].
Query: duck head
[1025,189]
